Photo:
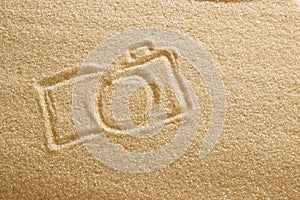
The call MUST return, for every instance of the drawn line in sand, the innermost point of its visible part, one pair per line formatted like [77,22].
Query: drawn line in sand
[57,137]
[139,48]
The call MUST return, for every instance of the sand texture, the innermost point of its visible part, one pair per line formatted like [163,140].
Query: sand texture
[255,45]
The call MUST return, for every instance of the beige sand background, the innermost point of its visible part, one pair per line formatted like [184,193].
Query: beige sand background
[255,45]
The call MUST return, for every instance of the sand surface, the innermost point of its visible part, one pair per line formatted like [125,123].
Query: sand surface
[254,44]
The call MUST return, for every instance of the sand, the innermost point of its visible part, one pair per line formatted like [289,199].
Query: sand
[254,45]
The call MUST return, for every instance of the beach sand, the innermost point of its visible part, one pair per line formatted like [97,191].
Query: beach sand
[254,44]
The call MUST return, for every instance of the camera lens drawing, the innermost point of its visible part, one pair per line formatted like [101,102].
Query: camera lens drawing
[139,48]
